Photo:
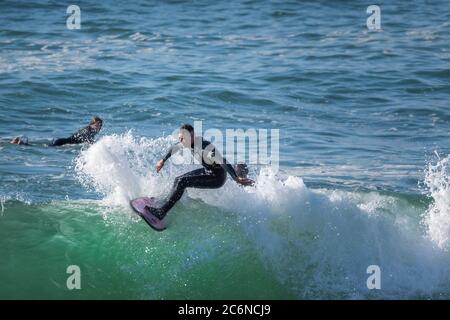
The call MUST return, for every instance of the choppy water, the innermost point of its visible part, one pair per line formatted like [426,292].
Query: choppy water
[364,149]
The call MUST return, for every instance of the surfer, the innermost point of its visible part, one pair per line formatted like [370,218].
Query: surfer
[86,134]
[212,176]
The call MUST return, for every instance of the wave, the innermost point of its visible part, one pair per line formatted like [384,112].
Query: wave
[437,217]
[317,242]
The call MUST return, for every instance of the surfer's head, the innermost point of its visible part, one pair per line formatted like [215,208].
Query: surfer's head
[96,123]
[186,135]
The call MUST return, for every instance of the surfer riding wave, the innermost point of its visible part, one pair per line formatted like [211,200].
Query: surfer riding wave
[212,176]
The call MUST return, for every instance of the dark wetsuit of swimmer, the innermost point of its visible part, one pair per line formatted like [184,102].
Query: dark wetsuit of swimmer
[212,176]
[87,134]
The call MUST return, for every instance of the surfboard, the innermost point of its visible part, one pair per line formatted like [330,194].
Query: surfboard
[139,205]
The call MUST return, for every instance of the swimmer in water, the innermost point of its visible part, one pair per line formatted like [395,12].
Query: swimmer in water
[21,140]
[87,134]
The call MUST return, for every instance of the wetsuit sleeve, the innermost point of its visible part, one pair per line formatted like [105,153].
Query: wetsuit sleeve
[229,168]
[173,149]
[225,165]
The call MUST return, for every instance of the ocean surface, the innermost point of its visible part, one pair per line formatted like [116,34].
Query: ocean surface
[364,152]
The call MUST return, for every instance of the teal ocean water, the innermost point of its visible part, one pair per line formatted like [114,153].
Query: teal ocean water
[364,124]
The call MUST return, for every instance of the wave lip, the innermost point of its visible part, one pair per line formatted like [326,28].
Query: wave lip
[437,217]
[120,167]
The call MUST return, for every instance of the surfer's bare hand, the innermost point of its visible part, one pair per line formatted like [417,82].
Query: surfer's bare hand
[245,181]
[159,165]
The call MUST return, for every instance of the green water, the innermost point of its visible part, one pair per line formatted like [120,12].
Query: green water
[120,257]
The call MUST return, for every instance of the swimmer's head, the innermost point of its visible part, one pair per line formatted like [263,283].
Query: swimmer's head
[96,123]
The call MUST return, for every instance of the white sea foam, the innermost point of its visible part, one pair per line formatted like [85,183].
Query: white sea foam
[319,243]
[437,218]
[322,241]
[121,168]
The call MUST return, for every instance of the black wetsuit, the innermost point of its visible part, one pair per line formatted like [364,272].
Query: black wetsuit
[87,134]
[212,176]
